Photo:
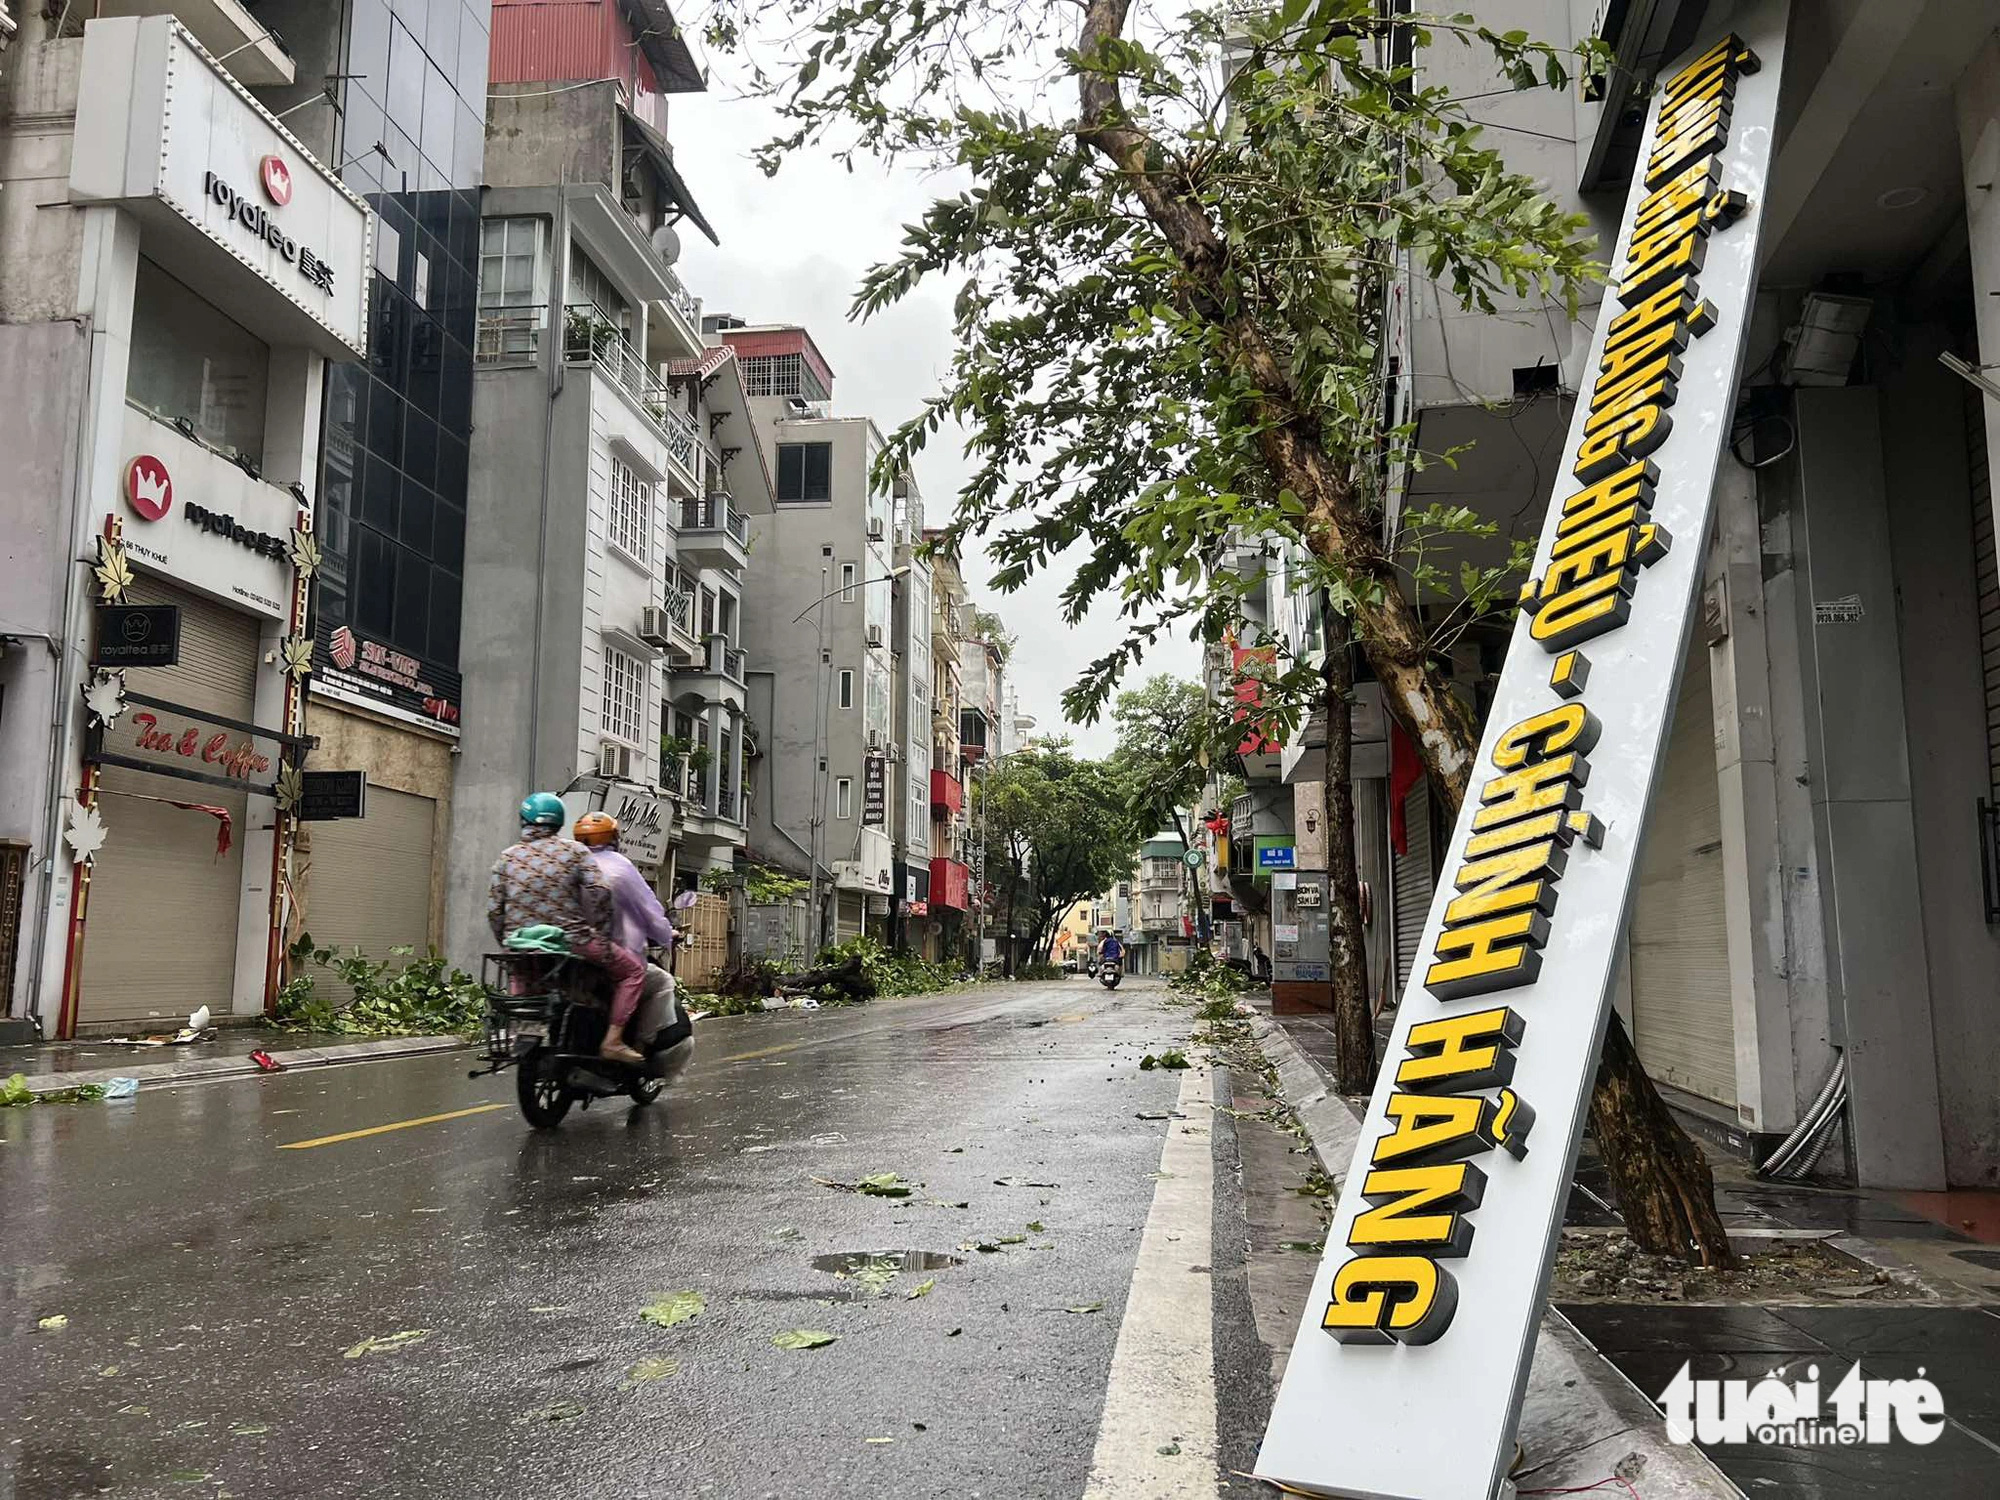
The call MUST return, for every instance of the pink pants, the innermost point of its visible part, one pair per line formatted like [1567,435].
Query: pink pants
[627,971]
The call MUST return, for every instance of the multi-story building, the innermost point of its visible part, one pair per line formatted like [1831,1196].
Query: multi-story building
[819,619]
[604,627]
[910,771]
[1807,898]
[945,932]
[395,95]
[179,273]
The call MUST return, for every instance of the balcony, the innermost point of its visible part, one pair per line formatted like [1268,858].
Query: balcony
[714,533]
[683,646]
[947,796]
[710,822]
[256,55]
[513,336]
[716,675]
[951,885]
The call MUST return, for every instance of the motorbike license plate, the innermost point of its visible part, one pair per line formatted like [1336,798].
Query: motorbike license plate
[531,1030]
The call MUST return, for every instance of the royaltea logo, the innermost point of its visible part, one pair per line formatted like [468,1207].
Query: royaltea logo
[1775,1413]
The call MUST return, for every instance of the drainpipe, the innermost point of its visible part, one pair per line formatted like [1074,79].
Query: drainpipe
[558,277]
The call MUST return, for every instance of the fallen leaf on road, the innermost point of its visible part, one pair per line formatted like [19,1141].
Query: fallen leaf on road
[1022,1182]
[881,1440]
[647,1371]
[803,1338]
[108,1371]
[1168,1450]
[872,1274]
[1085,1307]
[555,1411]
[786,1232]
[248,1429]
[135,1411]
[1160,1176]
[383,1343]
[53,1323]
[678,1308]
[883,1185]
[1035,1227]
[921,1289]
[1012,1239]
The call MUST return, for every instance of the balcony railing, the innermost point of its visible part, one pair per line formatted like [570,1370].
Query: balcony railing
[513,335]
[715,511]
[680,299]
[946,793]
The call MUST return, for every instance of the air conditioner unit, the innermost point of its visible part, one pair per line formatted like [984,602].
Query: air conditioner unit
[614,760]
[653,627]
[875,532]
[874,739]
[874,635]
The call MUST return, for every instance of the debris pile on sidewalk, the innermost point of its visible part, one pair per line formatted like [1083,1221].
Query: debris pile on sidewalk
[1595,1265]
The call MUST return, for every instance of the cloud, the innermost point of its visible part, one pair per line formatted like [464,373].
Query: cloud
[794,249]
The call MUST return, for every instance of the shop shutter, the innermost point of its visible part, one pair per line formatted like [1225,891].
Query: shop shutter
[160,934]
[1683,1022]
[367,881]
[1413,880]
[1979,470]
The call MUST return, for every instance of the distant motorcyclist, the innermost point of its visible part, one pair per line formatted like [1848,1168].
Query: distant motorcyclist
[1110,951]
[548,879]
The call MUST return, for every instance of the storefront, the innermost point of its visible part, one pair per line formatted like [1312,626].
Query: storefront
[223,267]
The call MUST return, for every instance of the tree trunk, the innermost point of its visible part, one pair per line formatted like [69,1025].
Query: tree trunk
[1353,1028]
[1666,1191]
[1639,1138]
[1007,940]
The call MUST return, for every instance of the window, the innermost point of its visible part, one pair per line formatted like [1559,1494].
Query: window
[726,617]
[189,360]
[846,687]
[781,375]
[847,584]
[805,472]
[630,522]
[623,714]
[843,797]
[507,255]
[707,613]
[588,284]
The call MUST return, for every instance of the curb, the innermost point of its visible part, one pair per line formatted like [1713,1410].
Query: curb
[210,1069]
[1581,1419]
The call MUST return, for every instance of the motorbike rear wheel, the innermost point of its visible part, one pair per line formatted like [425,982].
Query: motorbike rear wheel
[539,1089]
[645,1091]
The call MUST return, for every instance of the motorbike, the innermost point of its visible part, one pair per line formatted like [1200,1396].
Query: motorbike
[1110,971]
[546,1017]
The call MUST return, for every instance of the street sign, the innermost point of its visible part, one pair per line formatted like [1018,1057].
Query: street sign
[328,795]
[1192,859]
[1276,856]
[137,635]
[1407,1373]
[874,792]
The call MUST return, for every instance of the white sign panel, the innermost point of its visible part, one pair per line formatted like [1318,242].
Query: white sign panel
[645,821]
[192,516]
[164,128]
[1407,1373]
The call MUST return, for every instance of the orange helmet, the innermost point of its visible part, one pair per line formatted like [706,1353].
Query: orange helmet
[597,829]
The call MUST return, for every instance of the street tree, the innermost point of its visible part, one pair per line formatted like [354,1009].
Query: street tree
[1162,752]
[1173,259]
[1057,831]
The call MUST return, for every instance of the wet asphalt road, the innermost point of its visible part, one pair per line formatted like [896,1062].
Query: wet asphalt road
[214,1283]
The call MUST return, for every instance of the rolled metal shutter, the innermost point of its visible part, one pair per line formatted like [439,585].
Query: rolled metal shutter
[160,932]
[1683,1022]
[1413,878]
[367,881]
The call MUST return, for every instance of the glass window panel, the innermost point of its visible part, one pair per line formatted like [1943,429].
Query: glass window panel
[190,360]
[473,49]
[368,51]
[417,518]
[380,481]
[629,520]
[448,545]
[420,448]
[385,421]
[412,630]
[446,600]
[441,32]
[360,124]
[374,582]
[468,152]
[623,710]
[451,467]
[404,97]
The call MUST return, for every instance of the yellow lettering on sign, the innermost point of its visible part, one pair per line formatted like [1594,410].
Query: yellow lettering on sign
[1470,1051]
[1553,825]
[1681,194]
[1419,1207]
[1517,878]
[1431,1128]
[1537,737]
[1497,954]
[1631,435]
[1575,615]
[1679,299]
[1381,1299]
[1542,786]
[1631,485]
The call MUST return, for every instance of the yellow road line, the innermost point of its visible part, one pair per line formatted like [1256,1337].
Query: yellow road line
[783,1047]
[355,1135]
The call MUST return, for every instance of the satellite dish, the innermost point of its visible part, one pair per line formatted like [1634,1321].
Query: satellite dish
[667,242]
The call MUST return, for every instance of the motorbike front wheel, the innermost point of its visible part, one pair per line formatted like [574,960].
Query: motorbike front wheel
[539,1088]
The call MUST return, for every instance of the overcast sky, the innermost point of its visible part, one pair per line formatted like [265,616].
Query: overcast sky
[794,248]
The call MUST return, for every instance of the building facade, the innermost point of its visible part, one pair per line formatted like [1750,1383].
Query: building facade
[178,274]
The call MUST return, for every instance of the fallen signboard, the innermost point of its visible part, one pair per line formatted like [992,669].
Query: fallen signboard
[1406,1377]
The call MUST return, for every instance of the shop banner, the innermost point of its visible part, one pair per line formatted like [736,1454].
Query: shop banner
[1406,1377]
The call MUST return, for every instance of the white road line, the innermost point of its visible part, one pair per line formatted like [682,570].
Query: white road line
[1162,1390]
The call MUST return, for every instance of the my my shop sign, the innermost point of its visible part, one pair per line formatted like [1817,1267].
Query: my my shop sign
[1406,1378]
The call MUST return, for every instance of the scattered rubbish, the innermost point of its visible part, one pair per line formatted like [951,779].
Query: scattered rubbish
[198,1020]
[955,1151]
[875,1185]
[121,1088]
[921,1289]
[1022,1182]
[1171,1060]
[786,1232]
[1012,1239]
[53,1323]
[1035,1227]
[920,1427]
[1169,1450]
[678,1308]
[15,1093]
[108,1371]
[954,1333]
[1160,1176]
[1085,1307]
[646,1371]
[385,1343]
[265,1062]
[248,1429]
[555,1411]
[803,1338]
[135,1411]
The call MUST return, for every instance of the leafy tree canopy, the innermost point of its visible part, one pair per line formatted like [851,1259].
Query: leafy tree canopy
[1057,830]
[1162,756]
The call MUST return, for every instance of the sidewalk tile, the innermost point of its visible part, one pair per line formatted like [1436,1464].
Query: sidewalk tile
[1615,1328]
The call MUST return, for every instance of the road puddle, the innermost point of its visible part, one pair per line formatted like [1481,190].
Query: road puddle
[863,1275]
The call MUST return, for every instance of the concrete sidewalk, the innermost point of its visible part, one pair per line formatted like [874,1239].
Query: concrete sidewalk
[1581,1421]
[228,1056]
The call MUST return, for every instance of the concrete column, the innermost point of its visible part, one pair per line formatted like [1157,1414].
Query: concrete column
[737,761]
[1977,100]
[1731,630]
[712,777]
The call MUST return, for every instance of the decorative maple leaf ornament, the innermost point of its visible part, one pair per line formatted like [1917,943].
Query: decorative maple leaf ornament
[104,696]
[114,574]
[86,834]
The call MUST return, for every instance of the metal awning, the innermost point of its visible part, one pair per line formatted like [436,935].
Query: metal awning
[662,157]
[660,37]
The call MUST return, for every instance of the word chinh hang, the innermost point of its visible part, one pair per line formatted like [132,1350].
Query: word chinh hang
[1451,1101]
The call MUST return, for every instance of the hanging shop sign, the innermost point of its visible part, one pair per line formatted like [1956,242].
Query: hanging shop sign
[874,792]
[645,821]
[360,669]
[1425,1307]
[137,635]
[329,795]
[234,204]
[171,739]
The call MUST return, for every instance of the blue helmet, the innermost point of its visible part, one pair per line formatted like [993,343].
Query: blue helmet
[542,810]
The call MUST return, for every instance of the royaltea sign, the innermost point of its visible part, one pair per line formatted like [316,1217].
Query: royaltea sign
[1407,1373]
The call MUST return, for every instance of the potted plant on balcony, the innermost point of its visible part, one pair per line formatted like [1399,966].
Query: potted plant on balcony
[674,750]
